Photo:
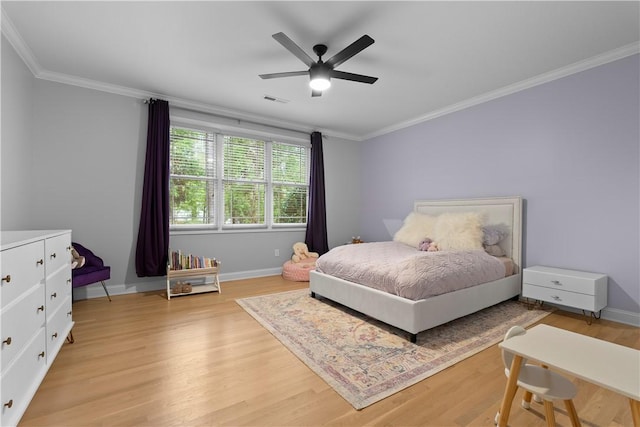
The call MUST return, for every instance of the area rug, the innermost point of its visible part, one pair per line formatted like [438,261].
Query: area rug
[365,360]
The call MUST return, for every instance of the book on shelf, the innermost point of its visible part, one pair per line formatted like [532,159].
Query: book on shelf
[179,261]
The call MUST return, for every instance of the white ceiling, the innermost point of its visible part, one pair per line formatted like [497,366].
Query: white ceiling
[430,57]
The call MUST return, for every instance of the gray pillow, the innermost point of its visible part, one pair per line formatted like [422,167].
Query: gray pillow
[493,234]
[494,250]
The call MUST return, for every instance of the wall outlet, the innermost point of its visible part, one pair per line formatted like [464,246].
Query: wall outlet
[277,252]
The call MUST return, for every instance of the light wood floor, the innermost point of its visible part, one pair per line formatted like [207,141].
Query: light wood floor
[201,360]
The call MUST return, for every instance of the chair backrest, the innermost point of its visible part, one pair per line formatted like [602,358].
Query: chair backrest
[91,259]
[507,357]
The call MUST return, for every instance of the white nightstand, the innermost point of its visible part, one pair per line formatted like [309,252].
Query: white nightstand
[571,288]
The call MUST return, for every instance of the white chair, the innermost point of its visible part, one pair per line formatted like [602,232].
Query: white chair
[545,384]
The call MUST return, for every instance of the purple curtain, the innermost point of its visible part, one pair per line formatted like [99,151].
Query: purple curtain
[316,236]
[153,235]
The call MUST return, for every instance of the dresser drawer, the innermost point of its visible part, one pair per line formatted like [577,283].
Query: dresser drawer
[23,268]
[565,280]
[21,322]
[36,302]
[58,327]
[21,381]
[58,288]
[557,296]
[57,253]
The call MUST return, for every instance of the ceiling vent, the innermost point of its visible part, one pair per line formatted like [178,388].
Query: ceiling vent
[275,99]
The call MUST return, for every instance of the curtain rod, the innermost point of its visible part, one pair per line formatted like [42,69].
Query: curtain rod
[239,121]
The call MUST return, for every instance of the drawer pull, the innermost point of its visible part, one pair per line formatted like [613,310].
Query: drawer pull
[556,298]
[55,335]
[7,278]
[68,248]
[556,282]
[41,308]
[68,313]
[53,255]
[68,281]
[40,261]
[54,295]
[7,341]
[41,354]
[9,404]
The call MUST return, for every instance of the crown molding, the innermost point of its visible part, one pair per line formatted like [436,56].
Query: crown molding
[23,50]
[27,56]
[610,56]
[187,104]
[18,43]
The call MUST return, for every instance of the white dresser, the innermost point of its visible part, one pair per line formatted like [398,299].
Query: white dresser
[35,310]
[570,288]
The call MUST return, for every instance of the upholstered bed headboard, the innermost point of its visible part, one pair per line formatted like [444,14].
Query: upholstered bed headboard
[498,210]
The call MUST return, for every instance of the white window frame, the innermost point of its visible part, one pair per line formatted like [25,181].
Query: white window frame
[269,140]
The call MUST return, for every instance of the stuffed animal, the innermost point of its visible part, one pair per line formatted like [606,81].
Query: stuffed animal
[424,244]
[301,251]
[77,261]
[428,245]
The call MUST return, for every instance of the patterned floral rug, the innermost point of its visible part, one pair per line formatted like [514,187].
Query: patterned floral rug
[365,360]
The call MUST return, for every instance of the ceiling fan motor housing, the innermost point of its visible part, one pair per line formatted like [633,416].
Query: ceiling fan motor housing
[320,76]
[320,70]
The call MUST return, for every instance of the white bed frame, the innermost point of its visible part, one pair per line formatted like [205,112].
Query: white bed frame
[417,316]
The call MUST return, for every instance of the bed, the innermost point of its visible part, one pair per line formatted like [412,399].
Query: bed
[415,316]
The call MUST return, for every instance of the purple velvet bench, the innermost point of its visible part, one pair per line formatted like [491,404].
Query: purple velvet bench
[93,270]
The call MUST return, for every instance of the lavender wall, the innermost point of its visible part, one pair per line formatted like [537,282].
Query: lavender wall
[570,148]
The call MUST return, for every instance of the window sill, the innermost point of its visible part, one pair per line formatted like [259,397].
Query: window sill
[183,231]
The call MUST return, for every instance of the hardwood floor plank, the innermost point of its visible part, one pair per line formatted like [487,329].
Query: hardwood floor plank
[201,360]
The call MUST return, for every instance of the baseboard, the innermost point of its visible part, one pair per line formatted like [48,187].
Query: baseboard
[251,274]
[613,314]
[96,290]
[621,316]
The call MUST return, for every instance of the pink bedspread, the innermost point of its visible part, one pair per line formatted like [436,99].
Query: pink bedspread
[407,272]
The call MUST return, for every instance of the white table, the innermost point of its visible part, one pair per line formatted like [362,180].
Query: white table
[606,364]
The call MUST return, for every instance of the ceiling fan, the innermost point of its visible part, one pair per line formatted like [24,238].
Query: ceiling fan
[320,73]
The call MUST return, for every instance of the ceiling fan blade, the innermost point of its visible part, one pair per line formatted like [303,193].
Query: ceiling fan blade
[294,48]
[316,92]
[346,53]
[287,74]
[353,77]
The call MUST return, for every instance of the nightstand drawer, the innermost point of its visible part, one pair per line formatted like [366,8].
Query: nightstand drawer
[565,280]
[557,296]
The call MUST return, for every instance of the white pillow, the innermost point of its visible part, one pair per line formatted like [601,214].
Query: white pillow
[459,231]
[416,227]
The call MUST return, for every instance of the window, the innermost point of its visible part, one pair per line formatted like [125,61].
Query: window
[289,176]
[192,169]
[222,181]
[244,181]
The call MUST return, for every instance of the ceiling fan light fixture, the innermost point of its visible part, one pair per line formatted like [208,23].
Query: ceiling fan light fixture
[320,83]
[320,79]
